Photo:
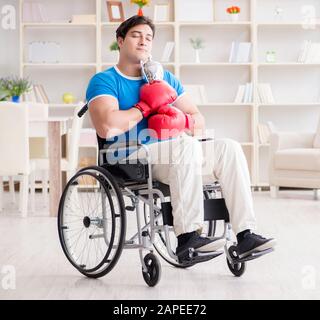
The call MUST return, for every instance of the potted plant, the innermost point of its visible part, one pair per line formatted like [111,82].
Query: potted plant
[4,93]
[197,44]
[114,47]
[141,4]
[16,87]
[233,13]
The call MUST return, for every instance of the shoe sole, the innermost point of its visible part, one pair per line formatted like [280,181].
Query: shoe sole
[265,246]
[212,246]
[192,262]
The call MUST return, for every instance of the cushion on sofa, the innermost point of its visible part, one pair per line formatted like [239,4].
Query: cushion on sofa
[298,159]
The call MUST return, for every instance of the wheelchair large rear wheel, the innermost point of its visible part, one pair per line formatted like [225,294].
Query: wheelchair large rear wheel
[92,221]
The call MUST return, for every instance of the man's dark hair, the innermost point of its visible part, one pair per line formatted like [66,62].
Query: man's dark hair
[126,25]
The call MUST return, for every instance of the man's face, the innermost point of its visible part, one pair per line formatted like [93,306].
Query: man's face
[137,44]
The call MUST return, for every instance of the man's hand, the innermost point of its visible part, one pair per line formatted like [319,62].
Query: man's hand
[169,122]
[155,95]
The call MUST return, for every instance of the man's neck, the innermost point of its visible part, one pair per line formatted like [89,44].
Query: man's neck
[129,69]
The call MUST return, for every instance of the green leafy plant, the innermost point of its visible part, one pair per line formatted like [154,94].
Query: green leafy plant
[15,86]
[114,46]
[197,43]
[4,93]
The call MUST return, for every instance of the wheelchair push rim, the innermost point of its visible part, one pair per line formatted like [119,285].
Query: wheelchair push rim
[92,221]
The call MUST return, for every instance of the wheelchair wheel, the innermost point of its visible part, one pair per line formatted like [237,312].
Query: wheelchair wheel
[237,269]
[153,275]
[92,221]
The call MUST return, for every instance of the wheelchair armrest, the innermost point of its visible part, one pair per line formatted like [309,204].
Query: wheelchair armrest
[124,146]
[205,139]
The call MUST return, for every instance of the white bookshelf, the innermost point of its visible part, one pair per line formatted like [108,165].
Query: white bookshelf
[295,86]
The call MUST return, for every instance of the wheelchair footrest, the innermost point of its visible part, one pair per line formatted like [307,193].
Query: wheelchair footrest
[195,257]
[253,255]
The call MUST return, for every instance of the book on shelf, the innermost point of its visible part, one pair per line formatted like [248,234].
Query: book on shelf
[309,52]
[167,51]
[240,52]
[36,94]
[244,93]
[34,12]
[265,94]
[264,131]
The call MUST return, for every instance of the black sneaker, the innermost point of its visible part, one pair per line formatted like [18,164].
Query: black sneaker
[201,244]
[252,242]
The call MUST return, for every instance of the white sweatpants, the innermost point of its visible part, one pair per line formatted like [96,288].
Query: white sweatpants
[180,164]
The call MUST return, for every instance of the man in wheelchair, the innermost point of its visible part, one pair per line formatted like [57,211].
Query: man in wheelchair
[123,106]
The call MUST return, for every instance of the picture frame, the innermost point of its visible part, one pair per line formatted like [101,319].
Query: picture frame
[115,11]
[197,92]
[161,12]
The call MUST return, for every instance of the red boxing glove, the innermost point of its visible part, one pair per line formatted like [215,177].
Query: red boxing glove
[169,122]
[154,95]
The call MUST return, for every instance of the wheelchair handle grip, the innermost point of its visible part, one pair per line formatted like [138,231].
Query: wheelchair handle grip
[83,110]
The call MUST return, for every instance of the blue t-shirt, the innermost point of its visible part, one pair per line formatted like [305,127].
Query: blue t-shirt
[126,90]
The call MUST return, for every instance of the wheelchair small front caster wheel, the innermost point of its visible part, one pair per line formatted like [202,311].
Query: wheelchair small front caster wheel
[153,275]
[237,268]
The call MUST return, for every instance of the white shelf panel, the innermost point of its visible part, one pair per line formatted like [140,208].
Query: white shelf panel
[286,24]
[59,65]
[62,105]
[313,104]
[216,23]
[56,24]
[216,64]
[225,104]
[289,64]
[157,24]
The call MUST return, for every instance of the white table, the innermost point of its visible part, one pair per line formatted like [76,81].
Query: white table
[53,128]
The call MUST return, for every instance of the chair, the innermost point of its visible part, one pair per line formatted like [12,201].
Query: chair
[14,146]
[294,161]
[68,164]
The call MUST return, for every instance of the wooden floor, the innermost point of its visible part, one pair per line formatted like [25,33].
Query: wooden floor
[32,247]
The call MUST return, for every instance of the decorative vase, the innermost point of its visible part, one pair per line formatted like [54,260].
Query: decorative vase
[140,12]
[197,55]
[234,17]
[15,99]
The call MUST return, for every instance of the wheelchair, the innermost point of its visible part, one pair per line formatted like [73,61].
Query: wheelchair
[92,218]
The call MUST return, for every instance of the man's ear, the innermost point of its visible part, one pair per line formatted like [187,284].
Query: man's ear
[120,41]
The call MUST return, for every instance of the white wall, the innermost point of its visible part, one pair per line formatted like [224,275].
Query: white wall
[9,53]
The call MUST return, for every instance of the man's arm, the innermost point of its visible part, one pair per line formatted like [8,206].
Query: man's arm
[185,104]
[108,120]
